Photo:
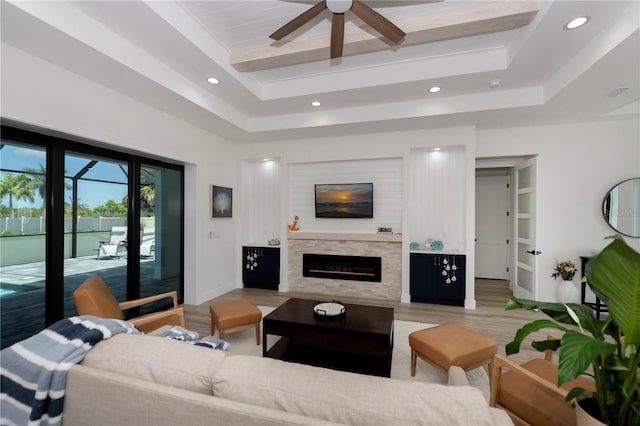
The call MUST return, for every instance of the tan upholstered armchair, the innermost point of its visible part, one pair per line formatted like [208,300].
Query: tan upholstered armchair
[93,297]
[529,392]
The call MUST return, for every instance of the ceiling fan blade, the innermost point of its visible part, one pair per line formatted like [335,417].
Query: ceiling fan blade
[298,21]
[337,35]
[377,22]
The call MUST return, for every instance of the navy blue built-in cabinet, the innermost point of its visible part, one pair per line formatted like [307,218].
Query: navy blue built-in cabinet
[261,267]
[432,282]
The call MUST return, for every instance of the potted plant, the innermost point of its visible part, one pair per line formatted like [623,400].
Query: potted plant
[565,292]
[609,346]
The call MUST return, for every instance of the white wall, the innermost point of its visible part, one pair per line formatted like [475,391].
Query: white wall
[260,208]
[40,94]
[438,197]
[577,165]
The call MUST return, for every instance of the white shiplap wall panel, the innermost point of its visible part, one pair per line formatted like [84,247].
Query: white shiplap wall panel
[385,174]
[438,196]
[261,201]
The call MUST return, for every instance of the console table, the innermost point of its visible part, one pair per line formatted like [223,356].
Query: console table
[598,306]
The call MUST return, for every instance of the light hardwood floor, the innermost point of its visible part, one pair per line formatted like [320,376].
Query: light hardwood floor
[489,318]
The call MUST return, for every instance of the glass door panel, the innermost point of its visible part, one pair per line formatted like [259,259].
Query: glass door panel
[160,231]
[22,240]
[526,251]
[95,224]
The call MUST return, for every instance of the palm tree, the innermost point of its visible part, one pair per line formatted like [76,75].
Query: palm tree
[18,187]
[39,179]
[147,197]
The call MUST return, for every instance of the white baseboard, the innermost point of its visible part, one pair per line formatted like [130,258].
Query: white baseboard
[212,294]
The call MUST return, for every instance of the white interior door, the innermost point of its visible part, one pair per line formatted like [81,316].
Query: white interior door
[492,227]
[526,251]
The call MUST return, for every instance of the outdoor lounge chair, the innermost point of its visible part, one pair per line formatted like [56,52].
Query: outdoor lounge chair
[148,241]
[117,244]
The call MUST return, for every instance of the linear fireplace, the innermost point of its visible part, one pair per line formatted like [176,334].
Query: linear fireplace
[355,268]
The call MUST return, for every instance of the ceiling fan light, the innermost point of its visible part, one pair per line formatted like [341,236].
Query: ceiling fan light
[339,6]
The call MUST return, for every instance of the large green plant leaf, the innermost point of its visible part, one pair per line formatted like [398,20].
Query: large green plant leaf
[577,351]
[558,312]
[513,347]
[615,272]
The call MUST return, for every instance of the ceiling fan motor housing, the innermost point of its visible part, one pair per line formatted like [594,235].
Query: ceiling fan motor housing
[339,6]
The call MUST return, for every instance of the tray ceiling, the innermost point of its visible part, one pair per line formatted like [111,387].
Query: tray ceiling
[162,52]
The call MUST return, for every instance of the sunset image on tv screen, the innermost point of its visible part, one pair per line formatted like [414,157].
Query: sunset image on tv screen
[353,200]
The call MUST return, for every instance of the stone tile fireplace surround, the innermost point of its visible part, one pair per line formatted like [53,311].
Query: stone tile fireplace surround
[387,247]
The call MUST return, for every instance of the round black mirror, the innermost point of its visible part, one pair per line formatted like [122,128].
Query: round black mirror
[621,207]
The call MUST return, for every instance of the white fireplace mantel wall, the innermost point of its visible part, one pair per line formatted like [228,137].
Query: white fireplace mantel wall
[361,150]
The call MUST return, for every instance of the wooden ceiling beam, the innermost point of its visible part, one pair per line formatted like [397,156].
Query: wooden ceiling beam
[474,19]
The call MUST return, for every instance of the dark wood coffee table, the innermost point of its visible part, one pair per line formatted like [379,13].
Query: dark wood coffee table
[361,341]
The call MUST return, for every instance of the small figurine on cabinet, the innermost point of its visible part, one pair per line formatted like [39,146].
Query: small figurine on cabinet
[294,225]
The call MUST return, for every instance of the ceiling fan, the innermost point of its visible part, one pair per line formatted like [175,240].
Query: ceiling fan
[338,9]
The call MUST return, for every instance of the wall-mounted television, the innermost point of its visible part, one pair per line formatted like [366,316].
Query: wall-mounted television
[344,200]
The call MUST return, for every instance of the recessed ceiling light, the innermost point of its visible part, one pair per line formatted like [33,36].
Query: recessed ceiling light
[213,80]
[494,83]
[315,103]
[434,89]
[576,23]
[265,160]
[436,149]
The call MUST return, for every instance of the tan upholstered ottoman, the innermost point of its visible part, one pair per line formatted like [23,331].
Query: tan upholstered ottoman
[235,315]
[450,344]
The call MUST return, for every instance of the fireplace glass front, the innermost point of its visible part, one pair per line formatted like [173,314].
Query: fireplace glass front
[355,268]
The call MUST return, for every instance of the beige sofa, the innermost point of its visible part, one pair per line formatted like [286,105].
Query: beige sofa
[149,380]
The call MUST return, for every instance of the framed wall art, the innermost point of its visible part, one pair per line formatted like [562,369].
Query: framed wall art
[221,202]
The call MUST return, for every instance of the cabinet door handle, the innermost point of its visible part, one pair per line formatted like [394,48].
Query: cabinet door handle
[534,252]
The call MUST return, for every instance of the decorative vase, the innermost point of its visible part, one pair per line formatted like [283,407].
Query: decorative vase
[566,292]
[584,408]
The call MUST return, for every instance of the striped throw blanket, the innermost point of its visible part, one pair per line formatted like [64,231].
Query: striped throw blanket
[33,372]
[193,338]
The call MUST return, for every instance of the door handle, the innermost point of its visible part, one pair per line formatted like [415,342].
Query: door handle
[534,252]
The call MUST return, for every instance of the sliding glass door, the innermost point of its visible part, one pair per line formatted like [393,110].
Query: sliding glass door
[22,239]
[69,211]
[160,204]
[95,224]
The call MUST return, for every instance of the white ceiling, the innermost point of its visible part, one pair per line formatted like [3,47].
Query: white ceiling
[162,52]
